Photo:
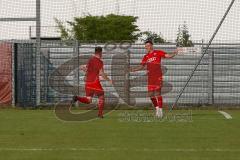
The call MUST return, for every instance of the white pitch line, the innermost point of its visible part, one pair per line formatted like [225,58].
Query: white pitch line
[122,149]
[225,114]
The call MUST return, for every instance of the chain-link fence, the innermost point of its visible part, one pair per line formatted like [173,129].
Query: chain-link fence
[214,82]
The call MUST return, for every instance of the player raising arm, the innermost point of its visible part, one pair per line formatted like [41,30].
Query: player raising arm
[152,61]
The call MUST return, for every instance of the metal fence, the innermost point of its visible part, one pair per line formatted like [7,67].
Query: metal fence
[216,81]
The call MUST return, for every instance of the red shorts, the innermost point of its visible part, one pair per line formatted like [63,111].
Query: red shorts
[154,84]
[94,88]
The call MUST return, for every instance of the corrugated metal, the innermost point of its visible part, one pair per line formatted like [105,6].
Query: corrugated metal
[60,80]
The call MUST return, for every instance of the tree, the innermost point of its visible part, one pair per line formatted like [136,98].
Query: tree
[100,28]
[65,33]
[183,36]
[154,37]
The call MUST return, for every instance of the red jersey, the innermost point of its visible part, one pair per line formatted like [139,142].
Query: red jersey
[93,68]
[153,62]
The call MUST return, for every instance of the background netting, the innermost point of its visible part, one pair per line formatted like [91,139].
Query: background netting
[216,79]
[163,16]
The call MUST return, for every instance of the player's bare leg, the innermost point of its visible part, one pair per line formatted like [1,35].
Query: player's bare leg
[160,103]
[86,99]
[157,101]
[154,100]
[101,101]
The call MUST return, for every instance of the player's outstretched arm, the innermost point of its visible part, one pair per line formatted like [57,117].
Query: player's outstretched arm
[174,53]
[138,68]
[105,76]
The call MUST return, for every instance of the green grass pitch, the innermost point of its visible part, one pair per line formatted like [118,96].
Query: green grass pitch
[38,134]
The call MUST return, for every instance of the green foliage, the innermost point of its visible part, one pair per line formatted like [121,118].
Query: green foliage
[100,28]
[183,36]
[154,37]
[65,33]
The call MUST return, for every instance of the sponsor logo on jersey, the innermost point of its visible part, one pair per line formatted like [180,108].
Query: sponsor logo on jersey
[151,59]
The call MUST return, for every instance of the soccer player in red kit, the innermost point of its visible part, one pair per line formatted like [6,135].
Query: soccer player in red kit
[94,69]
[152,60]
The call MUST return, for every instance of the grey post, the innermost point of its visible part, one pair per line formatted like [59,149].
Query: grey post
[127,87]
[76,65]
[38,51]
[211,78]
[78,74]
[13,74]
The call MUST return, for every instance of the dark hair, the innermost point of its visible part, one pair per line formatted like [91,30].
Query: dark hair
[98,49]
[149,41]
